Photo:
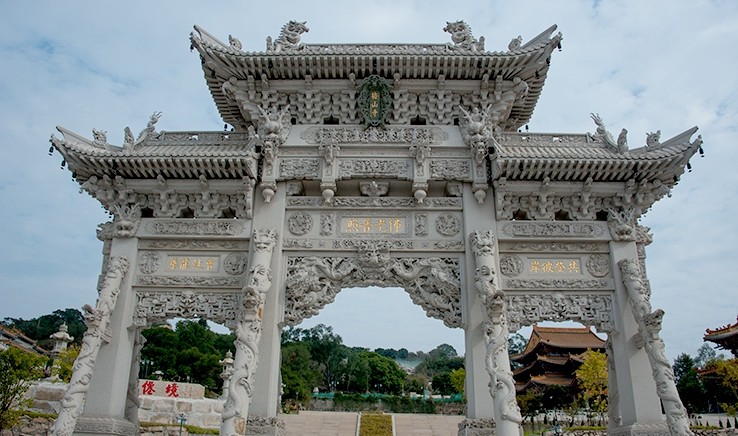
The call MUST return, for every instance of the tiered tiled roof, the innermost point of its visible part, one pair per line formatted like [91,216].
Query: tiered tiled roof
[552,356]
[726,337]
[14,338]
[340,62]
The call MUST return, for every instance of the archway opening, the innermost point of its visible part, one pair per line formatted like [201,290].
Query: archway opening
[561,374]
[182,351]
[372,342]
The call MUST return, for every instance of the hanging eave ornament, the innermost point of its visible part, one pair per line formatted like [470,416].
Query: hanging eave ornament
[374,100]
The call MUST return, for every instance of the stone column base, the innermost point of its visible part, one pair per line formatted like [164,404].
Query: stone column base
[262,425]
[650,429]
[477,427]
[104,425]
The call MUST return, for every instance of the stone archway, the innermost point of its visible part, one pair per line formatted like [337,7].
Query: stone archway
[425,182]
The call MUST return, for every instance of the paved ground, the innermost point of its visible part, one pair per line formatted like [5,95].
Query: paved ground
[308,423]
[426,425]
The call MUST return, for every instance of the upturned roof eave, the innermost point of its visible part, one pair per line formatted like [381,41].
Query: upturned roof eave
[519,161]
[85,158]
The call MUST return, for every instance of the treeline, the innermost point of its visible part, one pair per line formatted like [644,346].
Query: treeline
[707,382]
[311,358]
[316,359]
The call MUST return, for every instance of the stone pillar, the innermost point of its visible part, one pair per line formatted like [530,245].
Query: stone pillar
[649,327]
[267,384]
[478,400]
[613,398]
[99,383]
[248,332]
[640,409]
[502,385]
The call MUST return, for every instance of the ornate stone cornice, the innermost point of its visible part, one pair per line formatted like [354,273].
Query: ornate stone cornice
[313,282]
[588,309]
[220,307]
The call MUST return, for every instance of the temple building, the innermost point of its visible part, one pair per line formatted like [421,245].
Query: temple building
[726,337]
[552,356]
[14,338]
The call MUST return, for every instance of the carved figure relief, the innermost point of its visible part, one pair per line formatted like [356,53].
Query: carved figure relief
[598,265]
[326,224]
[234,264]
[148,262]
[299,223]
[421,224]
[511,265]
[448,224]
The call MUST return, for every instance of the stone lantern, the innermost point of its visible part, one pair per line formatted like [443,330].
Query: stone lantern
[227,364]
[61,340]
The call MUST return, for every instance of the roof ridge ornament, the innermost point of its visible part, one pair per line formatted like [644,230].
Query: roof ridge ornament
[462,37]
[289,37]
[619,146]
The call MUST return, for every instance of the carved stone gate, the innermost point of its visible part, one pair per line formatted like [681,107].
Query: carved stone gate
[386,165]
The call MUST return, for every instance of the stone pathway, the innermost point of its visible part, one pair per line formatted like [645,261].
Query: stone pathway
[309,423]
[426,425]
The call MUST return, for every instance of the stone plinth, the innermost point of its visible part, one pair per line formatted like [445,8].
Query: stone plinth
[477,427]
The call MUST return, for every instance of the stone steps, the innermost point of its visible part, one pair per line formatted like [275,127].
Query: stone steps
[311,423]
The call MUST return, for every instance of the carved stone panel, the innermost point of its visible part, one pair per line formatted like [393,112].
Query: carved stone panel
[448,224]
[511,265]
[374,168]
[220,307]
[149,262]
[433,283]
[589,309]
[297,169]
[568,229]
[299,223]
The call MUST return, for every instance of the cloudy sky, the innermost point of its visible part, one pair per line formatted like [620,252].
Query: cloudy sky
[666,65]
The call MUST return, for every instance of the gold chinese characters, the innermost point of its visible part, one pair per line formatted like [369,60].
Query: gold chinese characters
[554,266]
[193,263]
[372,225]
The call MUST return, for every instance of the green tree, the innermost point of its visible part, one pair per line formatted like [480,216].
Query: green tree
[299,373]
[592,379]
[189,353]
[458,380]
[530,403]
[442,384]
[516,343]
[688,383]
[705,355]
[720,379]
[385,376]
[65,362]
[18,369]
